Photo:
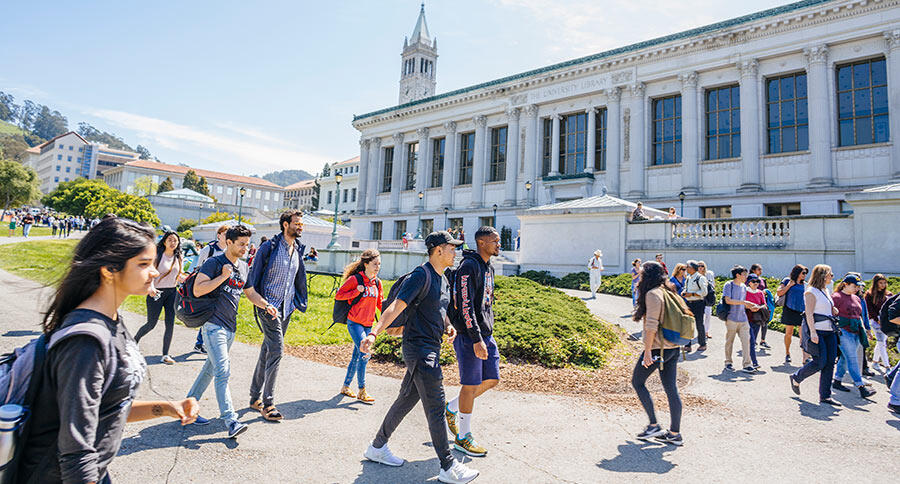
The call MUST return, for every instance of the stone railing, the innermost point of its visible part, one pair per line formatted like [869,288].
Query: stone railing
[768,232]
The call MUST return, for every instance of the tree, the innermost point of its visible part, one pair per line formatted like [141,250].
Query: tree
[19,184]
[91,133]
[191,181]
[144,152]
[326,171]
[223,217]
[185,224]
[166,185]
[27,113]
[74,196]
[123,205]
[50,124]
[144,186]
[317,187]
[12,147]
[203,187]
[8,107]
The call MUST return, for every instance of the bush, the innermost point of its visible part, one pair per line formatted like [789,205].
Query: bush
[543,278]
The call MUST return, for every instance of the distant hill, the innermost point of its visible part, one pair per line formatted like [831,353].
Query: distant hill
[8,128]
[286,177]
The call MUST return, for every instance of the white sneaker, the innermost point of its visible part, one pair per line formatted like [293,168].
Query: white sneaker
[458,473]
[168,360]
[383,456]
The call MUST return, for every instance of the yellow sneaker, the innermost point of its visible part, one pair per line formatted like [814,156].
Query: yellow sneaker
[468,446]
[451,421]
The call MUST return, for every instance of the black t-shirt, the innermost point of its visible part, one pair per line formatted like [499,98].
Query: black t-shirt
[424,328]
[227,302]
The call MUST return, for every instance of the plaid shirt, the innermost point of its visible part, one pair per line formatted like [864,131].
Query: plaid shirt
[279,281]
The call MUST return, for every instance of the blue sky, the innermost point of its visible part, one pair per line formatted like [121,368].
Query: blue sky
[251,87]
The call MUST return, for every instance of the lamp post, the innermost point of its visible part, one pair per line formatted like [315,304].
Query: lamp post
[421,196]
[334,236]
[682,196]
[528,193]
[446,211]
[242,192]
[494,218]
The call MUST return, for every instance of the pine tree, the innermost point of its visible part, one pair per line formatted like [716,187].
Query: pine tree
[191,181]
[166,186]
[202,186]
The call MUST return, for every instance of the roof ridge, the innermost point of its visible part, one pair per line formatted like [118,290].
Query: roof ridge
[204,173]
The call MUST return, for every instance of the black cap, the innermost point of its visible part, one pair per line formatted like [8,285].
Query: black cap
[442,237]
[752,278]
[852,279]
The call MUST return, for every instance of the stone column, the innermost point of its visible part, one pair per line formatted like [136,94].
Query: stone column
[451,158]
[750,159]
[893,66]
[375,175]
[690,134]
[554,143]
[362,187]
[478,163]
[591,148]
[820,170]
[637,149]
[512,156]
[397,172]
[421,165]
[613,140]
[531,151]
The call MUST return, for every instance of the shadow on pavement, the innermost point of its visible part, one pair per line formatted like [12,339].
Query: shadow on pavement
[894,423]
[784,368]
[416,471]
[731,376]
[696,355]
[171,435]
[301,408]
[823,412]
[646,457]
[186,357]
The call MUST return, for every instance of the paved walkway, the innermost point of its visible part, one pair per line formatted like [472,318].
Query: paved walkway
[762,432]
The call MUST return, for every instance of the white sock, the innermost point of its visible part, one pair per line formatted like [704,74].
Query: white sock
[454,405]
[465,423]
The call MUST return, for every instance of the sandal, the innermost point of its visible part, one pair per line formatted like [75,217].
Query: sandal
[271,414]
[364,397]
[256,405]
[346,391]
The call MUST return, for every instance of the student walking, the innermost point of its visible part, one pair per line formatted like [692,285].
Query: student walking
[635,277]
[707,312]
[92,374]
[595,268]
[12,225]
[793,290]
[695,290]
[27,222]
[758,318]
[427,295]
[736,323]
[757,270]
[228,271]
[476,351]
[162,297]
[818,335]
[212,249]
[875,298]
[279,276]
[851,334]
[658,353]
[361,284]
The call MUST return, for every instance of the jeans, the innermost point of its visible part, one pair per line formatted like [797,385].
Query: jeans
[669,377]
[880,352]
[199,341]
[165,301]
[698,307]
[270,352]
[217,367]
[26,229]
[754,330]
[742,330]
[634,294]
[823,363]
[895,387]
[423,380]
[849,359]
[359,360]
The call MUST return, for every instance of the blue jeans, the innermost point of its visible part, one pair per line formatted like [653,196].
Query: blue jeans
[217,341]
[359,360]
[26,229]
[849,358]
[754,330]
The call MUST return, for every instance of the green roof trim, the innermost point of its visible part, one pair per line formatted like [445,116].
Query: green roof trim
[609,53]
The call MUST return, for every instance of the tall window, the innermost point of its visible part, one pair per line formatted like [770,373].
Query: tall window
[723,123]
[862,103]
[466,158]
[600,141]
[412,155]
[437,162]
[547,143]
[388,167]
[498,154]
[572,143]
[376,230]
[787,114]
[352,195]
[329,197]
[667,130]
[427,226]
[399,229]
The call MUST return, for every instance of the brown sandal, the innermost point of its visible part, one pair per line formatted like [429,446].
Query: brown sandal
[256,405]
[271,414]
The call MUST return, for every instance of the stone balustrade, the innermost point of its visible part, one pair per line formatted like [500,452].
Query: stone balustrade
[762,232]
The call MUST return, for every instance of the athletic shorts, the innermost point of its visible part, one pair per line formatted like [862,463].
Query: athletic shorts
[472,370]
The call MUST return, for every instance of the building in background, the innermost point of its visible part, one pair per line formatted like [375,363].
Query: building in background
[300,195]
[70,156]
[328,189]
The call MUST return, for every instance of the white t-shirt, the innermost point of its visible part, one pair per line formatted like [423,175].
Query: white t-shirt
[823,307]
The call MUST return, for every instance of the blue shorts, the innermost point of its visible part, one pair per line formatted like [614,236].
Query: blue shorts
[472,370]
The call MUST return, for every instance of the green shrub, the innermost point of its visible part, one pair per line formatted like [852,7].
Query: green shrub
[574,280]
[541,277]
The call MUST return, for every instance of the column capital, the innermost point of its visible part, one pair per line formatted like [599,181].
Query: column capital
[480,120]
[893,39]
[512,113]
[613,94]
[816,55]
[688,80]
[364,143]
[398,139]
[376,142]
[748,68]
[450,126]
[422,132]
[637,89]
[591,110]
[531,110]
[556,116]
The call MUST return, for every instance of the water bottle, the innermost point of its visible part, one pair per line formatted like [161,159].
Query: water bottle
[9,421]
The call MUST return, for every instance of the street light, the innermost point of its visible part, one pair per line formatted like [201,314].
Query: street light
[446,211]
[421,196]
[334,237]
[528,193]
[682,196]
[494,221]
[242,191]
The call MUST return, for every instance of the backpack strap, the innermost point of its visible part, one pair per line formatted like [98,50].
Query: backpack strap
[360,282]
[98,331]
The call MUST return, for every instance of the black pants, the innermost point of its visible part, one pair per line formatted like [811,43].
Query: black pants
[822,363]
[154,308]
[698,308]
[669,377]
[423,380]
[269,360]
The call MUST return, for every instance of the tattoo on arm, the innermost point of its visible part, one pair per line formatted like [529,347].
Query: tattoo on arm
[157,410]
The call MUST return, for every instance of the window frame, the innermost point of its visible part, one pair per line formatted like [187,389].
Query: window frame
[437,162]
[600,139]
[855,118]
[377,230]
[579,135]
[713,114]
[466,158]
[388,166]
[676,140]
[797,127]
[412,157]
[546,146]
[498,153]
[398,231]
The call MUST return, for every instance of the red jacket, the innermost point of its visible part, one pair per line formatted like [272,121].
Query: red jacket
[362,312]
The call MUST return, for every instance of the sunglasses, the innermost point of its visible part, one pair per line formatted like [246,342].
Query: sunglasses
[805,272]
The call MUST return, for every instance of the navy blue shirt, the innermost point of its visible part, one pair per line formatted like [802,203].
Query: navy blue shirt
[227,302]
[424,329]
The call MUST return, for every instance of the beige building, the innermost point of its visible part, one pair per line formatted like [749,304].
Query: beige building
[300,195]
[70,156]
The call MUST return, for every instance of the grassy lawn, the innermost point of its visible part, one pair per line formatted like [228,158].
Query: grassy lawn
[35,231]
[44,261]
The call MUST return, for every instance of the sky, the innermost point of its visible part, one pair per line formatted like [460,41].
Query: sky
[253,87]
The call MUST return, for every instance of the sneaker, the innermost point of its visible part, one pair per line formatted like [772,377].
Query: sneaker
[168,360]
[729,367]
[830,401]
[868,372]
[837,385]
[894,408]
[670,438]
[451,421]
[468,446]
[236,428]
[200,349]
[749,369]
[201,421]
[866,392]
[652,430]
[383,456]
[701,348]
[787,359]
[757,366]
[458,473]
[795,385]
[765,345]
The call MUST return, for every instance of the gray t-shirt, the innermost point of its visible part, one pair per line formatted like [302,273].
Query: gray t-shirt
[230,295]
[736,312]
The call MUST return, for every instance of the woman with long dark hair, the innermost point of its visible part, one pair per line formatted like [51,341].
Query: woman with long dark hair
[651,309]
[875,298]
[91,376]
[360,281]
[169,264]
[792,288]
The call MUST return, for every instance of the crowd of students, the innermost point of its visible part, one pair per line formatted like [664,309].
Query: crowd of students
[61,226]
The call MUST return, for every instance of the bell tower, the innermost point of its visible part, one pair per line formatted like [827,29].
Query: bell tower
[418,63]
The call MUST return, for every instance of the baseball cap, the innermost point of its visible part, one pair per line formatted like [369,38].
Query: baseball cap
[852,279]
[435,239]
[752,278]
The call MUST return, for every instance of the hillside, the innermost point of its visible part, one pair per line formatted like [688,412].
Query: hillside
[286,177]
[7,128]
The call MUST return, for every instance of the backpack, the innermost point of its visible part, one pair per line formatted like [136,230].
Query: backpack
[194,311]
[342,307]
[722,309]
[678,321]
[890,310]
[710,298]
[396,326]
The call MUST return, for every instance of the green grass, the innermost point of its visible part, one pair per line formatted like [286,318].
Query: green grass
[44,261]
[7,128]
[35,231]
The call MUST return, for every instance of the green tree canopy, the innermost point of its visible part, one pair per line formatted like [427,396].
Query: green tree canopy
[144,152]
[74,196]
[49,124]
[18,184]
[166,185]
[123,205]
[191,181]
[144,186]
[185,224]
[203,187]
[224,216]
[91,133]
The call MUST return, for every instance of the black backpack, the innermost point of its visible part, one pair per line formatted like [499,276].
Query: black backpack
[890,310]
[342,307]
[710,293]
[194,311]
[396,326]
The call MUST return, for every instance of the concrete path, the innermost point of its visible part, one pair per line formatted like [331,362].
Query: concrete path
[761,432]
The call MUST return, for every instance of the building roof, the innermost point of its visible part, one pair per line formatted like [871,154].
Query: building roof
[186,194]
[214,175]
[420,33]
[355,159]
[706,29]
[599,203]
[300,185]
[38,147]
